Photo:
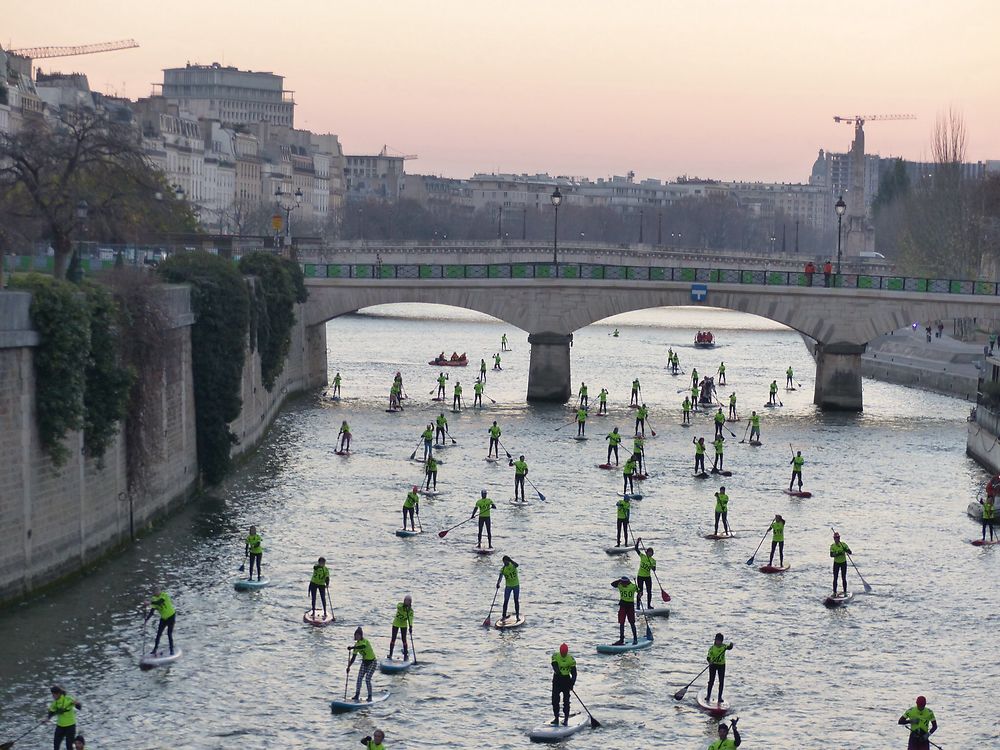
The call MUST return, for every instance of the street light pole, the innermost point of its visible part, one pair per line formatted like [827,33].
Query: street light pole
[288,207]
[500,223]
[556,199]
[641,215]
[841,208]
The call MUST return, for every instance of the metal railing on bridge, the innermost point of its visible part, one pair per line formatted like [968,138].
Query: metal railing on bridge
[600,272]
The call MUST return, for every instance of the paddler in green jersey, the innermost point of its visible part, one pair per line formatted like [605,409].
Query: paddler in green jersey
[614,439]
[724,743]
[624,511]
[520,472]
[164,607]
[374,742]
[628,472]
[482,370]
[647,564]
[483,507]
[318,583]
[512,585]
[563,680]
[839,552]
[345,436]
[732,407]
[363,647]
[722,373]
[431,472]
[635,393]
[788,378]
[582,398]
[602,401]
[441,380]
[773,390]
[477,400]
[676,363]
[988,514]
[456,401]
[402,622]
[720,420]
[626,608]
[686,408]
[428,436]
[670,356]
[639,453]
[717,665]
[254,550]
[796,463]
[494,432]
[441,431]
[777,539]
[719,445]
[694,398]
[503,342]
[640,420]
[496,361]
[394,396]
[721,510]
[754,426]
[63,707]
[411,505]
[699,455]
[922,723]
[694,376]
[336,385]
[581,422]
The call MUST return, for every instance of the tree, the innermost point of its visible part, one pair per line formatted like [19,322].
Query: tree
[79,166]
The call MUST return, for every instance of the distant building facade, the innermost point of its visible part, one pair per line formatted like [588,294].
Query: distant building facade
[230,95]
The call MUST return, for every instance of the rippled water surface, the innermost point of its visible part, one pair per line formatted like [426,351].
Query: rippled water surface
[894,481]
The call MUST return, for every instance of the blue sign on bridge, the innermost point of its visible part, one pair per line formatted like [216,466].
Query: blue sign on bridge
[699,292]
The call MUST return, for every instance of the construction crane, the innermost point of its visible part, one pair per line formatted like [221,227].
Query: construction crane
[860,120]
[40,53]
[398,155]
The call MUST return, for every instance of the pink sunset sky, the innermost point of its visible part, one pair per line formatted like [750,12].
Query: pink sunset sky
[715,88]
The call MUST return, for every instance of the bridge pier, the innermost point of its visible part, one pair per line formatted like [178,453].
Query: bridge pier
[549,370]
[838,377]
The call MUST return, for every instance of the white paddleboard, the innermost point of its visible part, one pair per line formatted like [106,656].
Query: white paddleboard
[555,733]
[429,493]
[315,617]
[613,648]
[395,665]
[511,621]
[512,501]
[712,708]
[408,532]
[340,706]
[244,584]
[159,659]
[617,550]
[483,550]
[656,611]
[839,600]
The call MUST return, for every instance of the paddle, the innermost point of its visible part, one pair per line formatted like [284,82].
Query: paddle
[491,400]
[144,636]
[444,533]
[414,454]
[419,525]
[642,610]
[750,559]
[663,594]
[504,449]
[540,495]
[745,433]
[447,431]
[565,425]
[243,565]
[413,647]
[8,745]
[489,617]
[594,723]
[651,430]
[679,695]
[347,677]
[868,589]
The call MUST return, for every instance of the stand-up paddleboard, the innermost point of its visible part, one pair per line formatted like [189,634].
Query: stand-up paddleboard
[717,709]
[159,659]
[986,543]
[556,732]
[720,537]
[771,406]
[633,496]
[720,473]
[394,664]
[342,453]
[611,648]
[618,550]
[512,501]
[839,600]
[408,532]
[640,477]
[511,621]
[456,411]
[428,493]
[491,459]
[437,399]
[755,443]
[683,424]
[656,612]
[701,475]
[483,550]
[738,419]
[393,411]
[773,568]
[441,446]
[790,389]
[633,406]
[317,618]
[339,706]
[244,584]
[798,493]
[580,437]
[607,466]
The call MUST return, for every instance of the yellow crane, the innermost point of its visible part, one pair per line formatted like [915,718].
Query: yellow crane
[40,53]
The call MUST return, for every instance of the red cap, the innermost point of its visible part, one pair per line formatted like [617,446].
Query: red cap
[563,650]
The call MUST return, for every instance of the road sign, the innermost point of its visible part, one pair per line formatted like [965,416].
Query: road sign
[276,222]
[699,292]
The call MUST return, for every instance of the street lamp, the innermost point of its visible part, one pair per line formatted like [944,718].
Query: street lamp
[293,202]
[841,208]
[556,199]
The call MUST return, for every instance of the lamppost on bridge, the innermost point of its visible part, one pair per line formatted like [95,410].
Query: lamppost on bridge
[500,223]
[556,199]
[841,208]
[641,216]
[288,203]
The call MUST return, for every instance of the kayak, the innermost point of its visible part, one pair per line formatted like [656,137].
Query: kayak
[394,665]
[719,537]
[716,709]
[555,733]
[798,493]
[511,621]
[244,584]
[612,648]
[839,600]
[985,543]
[408,532]
[617,550]
[773,568]
[159,659]
[339,706]
[317,618]
[460,362]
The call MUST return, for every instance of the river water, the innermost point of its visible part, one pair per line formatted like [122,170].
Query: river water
[894,481]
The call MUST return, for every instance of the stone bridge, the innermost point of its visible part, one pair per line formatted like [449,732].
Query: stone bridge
[551,301]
